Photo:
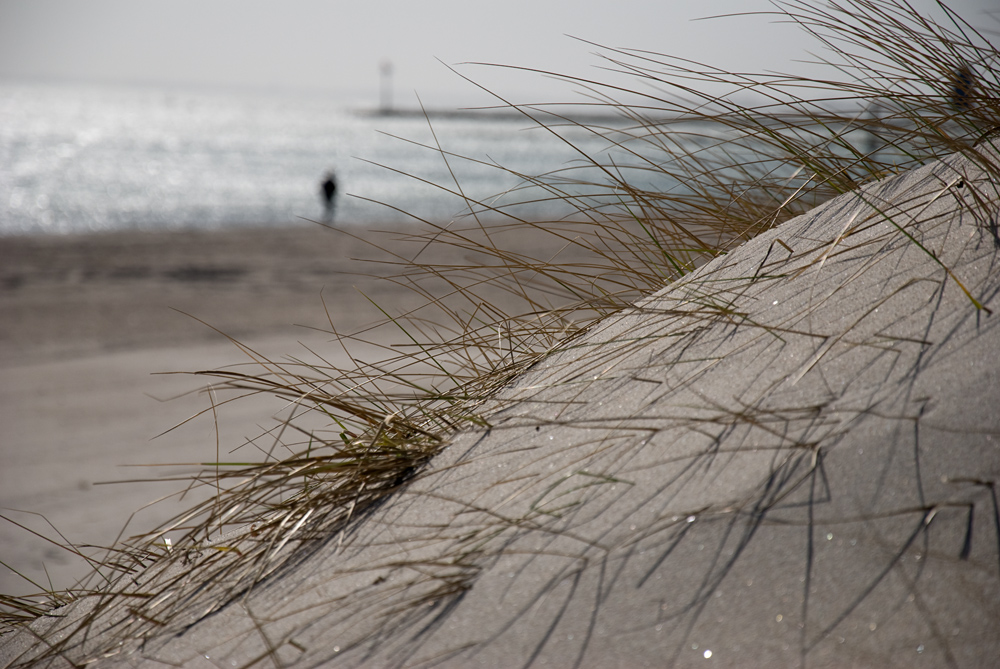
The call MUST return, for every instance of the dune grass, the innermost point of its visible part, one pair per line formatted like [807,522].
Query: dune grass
[687,177]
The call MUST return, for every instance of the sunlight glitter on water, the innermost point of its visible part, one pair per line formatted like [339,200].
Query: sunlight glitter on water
[77,158]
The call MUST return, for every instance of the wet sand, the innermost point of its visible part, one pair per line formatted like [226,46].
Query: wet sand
[66,296]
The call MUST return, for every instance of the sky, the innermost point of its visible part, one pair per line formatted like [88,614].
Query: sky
[337,48]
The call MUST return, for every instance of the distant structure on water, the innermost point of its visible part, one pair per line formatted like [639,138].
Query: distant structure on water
[385,87]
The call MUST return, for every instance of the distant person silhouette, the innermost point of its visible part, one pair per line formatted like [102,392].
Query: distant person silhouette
[329,191]
[962,87]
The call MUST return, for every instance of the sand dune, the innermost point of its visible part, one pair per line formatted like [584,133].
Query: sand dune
[788,458]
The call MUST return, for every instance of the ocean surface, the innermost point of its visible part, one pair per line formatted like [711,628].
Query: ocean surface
[77,158]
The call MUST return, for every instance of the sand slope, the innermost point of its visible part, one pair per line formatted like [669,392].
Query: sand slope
[787,459]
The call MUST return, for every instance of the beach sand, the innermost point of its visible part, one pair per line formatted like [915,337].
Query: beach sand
[88,323]
[786,458]
[97,332]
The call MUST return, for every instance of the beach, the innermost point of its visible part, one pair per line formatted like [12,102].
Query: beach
[89,325]
[802,476]
[709,382]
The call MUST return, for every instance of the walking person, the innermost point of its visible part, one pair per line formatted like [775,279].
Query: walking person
[328,190]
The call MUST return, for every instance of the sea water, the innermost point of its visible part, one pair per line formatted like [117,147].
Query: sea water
[77,158]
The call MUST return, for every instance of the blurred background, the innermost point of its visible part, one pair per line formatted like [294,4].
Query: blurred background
[119,114]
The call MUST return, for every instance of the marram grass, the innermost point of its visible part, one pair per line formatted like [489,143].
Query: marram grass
[903,91]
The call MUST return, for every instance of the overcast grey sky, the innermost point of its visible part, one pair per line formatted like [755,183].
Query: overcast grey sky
[337,46]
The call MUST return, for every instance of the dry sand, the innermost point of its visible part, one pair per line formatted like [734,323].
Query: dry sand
[87,322]
[91,328]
